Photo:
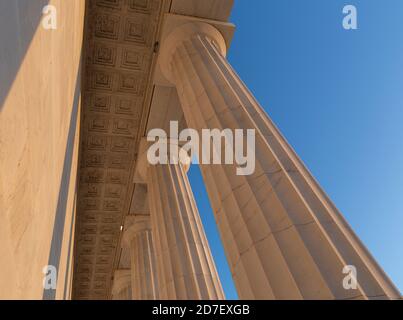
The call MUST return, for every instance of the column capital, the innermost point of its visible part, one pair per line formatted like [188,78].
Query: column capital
[121,280]
[133,225]
[183,33]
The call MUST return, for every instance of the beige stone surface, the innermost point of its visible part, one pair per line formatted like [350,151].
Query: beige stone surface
[283,237]
[165,107]
[121,289]
[138,237]
[186,269]
[39,100]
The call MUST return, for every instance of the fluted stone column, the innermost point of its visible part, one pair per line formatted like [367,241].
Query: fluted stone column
[283,237]
[121,289]
[186,268]
[138,237]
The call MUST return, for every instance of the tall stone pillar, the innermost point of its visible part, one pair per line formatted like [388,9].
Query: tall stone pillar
[121,289]
[283,237]
[138,237]
[186,268]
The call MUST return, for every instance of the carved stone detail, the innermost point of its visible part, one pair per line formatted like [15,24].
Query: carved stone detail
[119,39]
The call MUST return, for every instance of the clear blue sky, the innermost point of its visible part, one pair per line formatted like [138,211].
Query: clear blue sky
[337,96]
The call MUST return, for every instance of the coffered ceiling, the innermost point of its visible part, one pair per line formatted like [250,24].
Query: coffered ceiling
[120,39]
[120,102]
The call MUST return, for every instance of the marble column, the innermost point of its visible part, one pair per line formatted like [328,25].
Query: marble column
[121,289]
[283,237]
[138,237]
[186,268]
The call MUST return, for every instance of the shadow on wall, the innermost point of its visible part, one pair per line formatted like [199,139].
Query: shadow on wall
[60,216]
[19,20]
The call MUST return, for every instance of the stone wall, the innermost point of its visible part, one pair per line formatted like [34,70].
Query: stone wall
[39,134]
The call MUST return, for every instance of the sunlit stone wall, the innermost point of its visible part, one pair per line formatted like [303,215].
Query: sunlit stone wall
[39,117]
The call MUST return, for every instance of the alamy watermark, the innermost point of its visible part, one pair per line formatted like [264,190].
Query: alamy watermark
[350,20]
[49,20]
[50,279]
[235,146]
[350,280]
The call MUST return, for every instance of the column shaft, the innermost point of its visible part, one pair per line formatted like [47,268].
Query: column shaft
[283,237]
[185,266]
[138,237]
